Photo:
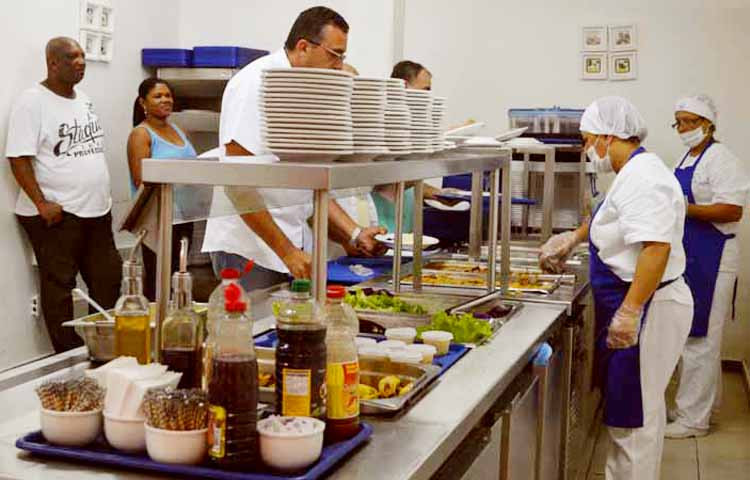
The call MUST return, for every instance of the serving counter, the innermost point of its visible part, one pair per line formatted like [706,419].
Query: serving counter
[413,445]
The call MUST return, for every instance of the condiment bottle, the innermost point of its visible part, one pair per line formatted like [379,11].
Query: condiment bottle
[300,355]
[342,368]
[181,332]
[233,388]
[216,310]
[132,315]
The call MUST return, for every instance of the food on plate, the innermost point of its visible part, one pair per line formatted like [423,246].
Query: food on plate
[521,281]
[382,301]
[464,326]
[406,388]
[457,267]
[367,392]
[388,386]
[266,379]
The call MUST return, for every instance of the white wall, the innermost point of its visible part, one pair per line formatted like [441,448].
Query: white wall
[27,25]
[488,56]
[264,24]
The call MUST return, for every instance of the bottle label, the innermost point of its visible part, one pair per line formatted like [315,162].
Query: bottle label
[342,380]
[217,429]
[296,387]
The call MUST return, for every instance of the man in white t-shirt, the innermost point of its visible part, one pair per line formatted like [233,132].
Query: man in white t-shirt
[55,147]
[279,239]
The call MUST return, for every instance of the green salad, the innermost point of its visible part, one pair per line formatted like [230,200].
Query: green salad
[382,301]
[464,327]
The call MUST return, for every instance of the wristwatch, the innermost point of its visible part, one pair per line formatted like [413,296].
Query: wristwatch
[355,236]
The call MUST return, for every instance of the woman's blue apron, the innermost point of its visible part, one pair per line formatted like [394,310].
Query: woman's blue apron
[704,246]
[618,371]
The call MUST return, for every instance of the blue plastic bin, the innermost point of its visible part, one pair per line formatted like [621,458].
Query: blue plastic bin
[225,57]
[166,57]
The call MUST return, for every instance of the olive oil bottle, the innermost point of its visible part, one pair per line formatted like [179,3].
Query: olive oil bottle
[132,316]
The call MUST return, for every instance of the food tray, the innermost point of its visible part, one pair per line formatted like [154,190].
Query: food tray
[101,453]
[465,266]
[422,375]
[478,282]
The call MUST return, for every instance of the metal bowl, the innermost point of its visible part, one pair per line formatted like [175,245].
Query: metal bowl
[98,333]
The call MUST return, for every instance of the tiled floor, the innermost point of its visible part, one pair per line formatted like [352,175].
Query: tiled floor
[722,455]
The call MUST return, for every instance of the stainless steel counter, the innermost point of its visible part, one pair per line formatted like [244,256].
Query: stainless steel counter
[413,445]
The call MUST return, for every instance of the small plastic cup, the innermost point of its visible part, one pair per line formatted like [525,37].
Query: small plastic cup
[391,344]
[427,351]
[363,341]
[439,339]
[405,334]
[406,356]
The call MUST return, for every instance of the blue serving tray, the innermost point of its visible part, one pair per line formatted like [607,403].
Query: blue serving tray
[455,352]
[101,453]
[166,57]
[225,57]
[339,273]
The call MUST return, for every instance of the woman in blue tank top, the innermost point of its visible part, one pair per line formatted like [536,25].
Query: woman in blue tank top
[153,136]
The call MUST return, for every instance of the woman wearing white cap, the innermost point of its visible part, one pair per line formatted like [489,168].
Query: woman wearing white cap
[716,189]
[642,304]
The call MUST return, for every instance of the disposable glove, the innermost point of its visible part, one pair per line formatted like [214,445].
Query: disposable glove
[555,251]
[625,327]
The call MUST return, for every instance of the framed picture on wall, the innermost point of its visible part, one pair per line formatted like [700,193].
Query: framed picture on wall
[623,38]
[623,66]
[89,14]
[593,66]
[594,38]
[105,48]
[91,43]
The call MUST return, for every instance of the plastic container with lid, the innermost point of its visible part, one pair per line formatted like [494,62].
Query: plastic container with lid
[392,344]
[405,356]
[404,334]
[372,352]
[427,351]
[439,339]
[362,341]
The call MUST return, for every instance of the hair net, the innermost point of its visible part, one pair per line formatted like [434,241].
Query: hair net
[614,116]
[702,105]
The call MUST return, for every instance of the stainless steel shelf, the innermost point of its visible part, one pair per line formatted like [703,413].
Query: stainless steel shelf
[197,82]
[316,176]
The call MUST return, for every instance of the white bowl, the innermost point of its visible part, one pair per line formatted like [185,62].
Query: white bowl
[71,429]
[288,451]
[184,447]
[405,334]
[439,339]
[126,434]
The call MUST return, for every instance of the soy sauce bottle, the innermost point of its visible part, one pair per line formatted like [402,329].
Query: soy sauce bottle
[233,388]
[301,355]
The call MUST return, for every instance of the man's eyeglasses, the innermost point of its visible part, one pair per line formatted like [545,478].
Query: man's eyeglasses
[340,56]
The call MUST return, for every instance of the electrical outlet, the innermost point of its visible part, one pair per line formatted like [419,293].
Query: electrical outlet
[35,307]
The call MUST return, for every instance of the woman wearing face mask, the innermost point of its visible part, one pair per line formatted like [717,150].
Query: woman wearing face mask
[154,136]
[716,189]
[642,304]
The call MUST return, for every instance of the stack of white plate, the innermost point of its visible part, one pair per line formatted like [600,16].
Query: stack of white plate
[368,115]
[397,118]
[306,113]
[438,113]
[421,126]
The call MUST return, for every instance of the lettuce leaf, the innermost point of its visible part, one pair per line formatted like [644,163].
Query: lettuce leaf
[464,327]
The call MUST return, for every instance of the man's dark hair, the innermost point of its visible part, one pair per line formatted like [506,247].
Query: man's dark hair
[310,24]
[407,70]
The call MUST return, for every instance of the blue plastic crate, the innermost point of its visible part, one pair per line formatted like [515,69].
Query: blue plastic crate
[225,57]
[166,57]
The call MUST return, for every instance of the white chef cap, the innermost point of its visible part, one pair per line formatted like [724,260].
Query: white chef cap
[701,105]
[614,116]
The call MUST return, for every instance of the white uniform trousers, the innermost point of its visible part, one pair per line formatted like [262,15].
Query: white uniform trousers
[699,390]
[635,453]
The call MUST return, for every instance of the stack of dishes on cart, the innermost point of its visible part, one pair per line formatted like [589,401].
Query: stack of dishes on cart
[421,126]
[368,116]
[438,113]
[306,113]
[397,118]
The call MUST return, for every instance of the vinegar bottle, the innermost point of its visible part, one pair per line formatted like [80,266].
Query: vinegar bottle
[132,316]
